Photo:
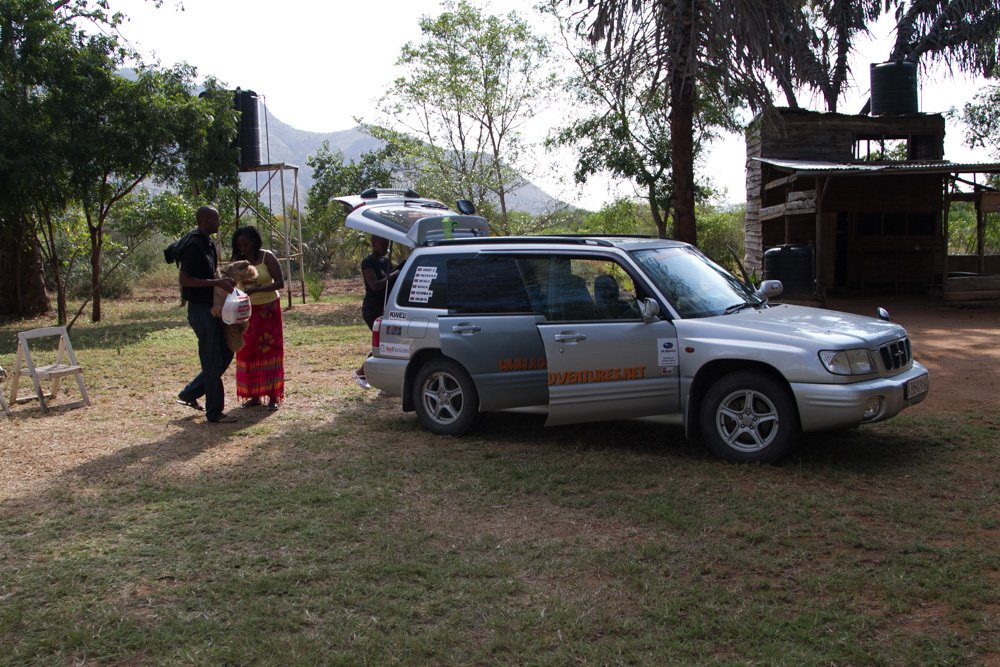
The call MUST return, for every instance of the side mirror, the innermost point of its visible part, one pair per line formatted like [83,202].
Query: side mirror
[465,207]
[649,309]
[770,289]
[883,314]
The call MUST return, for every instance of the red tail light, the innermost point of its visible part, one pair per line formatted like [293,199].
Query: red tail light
[375,327]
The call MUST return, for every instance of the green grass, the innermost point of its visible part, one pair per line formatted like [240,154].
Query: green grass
[338,532]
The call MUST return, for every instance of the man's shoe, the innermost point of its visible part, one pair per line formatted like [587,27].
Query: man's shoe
[193,403]
[223,419]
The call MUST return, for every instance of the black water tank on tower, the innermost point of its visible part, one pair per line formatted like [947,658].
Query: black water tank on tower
[249,138]
[793,266]
[894,88]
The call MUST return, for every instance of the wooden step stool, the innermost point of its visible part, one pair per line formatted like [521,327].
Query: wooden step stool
[25,366]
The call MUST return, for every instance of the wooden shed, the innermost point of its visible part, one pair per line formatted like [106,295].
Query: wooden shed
[866,195]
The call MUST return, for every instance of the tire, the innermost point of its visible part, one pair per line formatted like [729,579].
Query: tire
[445,398]
[748,418]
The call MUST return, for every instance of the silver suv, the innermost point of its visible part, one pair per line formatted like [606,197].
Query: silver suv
[588,328]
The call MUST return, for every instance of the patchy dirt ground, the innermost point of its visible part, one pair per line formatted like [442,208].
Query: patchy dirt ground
[960,346]
[135,425]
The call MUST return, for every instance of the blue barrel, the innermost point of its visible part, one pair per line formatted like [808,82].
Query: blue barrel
[249,136]
[793,266]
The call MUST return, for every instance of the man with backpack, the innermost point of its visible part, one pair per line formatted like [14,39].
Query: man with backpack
[199,263]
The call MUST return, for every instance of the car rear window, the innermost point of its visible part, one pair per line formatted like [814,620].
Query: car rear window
[425,284]
[404,216]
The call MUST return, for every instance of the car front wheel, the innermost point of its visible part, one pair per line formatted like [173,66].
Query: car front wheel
[445,398]
[748,418]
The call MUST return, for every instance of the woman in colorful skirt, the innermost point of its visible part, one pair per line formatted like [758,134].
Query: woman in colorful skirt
[260,364]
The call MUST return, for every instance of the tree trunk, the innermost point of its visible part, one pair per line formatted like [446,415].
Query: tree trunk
[682,104]
[96,244]
[52,259]
[23,293]
[654,209]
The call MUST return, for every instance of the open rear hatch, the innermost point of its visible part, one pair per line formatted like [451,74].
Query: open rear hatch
[410,221]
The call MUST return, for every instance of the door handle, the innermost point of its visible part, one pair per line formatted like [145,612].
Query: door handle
[569,337]
[466,328]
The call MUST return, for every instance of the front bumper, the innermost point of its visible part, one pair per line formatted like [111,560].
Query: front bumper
[833,406]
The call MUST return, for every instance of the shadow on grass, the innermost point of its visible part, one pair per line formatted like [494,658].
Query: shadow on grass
[867,450]
[315,505]
[100,336]
[632,436]
[864,450]
[195,437]
[369,431]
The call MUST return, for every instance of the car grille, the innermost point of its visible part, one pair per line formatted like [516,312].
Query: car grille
[895,355]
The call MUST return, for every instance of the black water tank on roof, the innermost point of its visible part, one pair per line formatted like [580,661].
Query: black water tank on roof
[894,88]
[793,266]
[249,137]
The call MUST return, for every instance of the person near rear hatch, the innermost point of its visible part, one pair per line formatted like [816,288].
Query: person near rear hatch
[377,272]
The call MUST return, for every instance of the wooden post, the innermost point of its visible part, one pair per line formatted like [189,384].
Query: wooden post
[980,240]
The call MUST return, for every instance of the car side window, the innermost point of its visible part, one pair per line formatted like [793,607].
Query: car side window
[486,284]
[581,289]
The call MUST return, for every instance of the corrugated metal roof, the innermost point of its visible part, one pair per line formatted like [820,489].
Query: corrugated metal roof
[820,168]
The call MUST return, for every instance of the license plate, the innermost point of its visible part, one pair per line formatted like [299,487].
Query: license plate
[915,387]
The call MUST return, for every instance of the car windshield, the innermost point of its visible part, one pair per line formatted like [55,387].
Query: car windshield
[694,284]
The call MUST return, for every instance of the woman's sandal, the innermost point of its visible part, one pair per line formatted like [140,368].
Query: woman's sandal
[193,403]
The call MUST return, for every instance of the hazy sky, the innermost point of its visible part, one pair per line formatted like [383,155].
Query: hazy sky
[320,65]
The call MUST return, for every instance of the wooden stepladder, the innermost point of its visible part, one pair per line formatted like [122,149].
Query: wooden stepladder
[65,364]
[3,402]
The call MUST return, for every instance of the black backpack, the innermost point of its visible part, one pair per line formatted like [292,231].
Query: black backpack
[172,253]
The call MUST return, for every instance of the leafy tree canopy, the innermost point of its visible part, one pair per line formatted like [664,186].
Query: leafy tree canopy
[470,85]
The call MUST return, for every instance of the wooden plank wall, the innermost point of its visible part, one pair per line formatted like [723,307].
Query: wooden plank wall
[753,255]
[806,135]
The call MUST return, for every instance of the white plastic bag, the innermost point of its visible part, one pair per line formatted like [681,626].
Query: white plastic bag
[237,307]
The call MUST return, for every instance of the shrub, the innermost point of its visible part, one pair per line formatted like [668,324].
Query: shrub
[720,230]
[118,275]
[314,285]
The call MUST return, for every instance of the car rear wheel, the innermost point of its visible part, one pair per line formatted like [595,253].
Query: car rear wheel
[748,418]
[445,398]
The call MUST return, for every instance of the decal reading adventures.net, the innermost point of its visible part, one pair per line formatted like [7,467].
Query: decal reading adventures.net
[598,375]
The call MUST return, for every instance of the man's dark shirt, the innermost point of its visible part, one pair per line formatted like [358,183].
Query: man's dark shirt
[198,260]
[381,267]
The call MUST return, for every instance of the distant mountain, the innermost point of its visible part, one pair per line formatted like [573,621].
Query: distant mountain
[282,143]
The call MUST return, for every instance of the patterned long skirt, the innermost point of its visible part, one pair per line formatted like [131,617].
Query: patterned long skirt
[260,364]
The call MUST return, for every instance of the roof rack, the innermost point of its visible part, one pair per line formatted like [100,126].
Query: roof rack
[499,240]
[374,193]
[608,236]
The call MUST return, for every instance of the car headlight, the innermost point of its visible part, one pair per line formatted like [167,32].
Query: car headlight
[847,362]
